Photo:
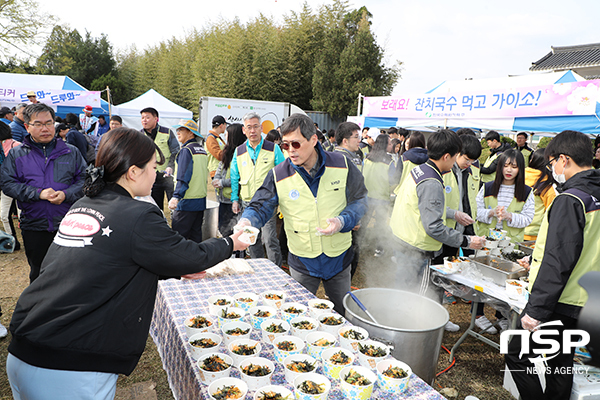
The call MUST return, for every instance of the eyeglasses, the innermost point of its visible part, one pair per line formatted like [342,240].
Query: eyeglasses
[295,144]
[38,125]
[252,127]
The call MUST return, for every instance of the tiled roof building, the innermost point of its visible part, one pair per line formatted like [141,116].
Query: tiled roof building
[583,59]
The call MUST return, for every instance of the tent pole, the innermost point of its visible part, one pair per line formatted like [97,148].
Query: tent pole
[109,102]
[358,108]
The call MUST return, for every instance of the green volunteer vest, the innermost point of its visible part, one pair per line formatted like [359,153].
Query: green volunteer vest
[227,189]
[252,175]
[303,213]
[451,195]
[589,260]
[197,187]
[407,166]
[533,228]
[213,163]
[489,177]
[473,183]
[376,179]
[526,153]
[162,142]
[491,202]
[406,221]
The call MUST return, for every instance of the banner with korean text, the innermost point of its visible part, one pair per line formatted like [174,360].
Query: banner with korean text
[573,98]
[52,97]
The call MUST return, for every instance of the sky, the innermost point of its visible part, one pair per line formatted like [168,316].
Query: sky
[436,40]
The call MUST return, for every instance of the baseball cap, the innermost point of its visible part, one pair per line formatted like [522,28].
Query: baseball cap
[373,133]
[188,124]
[4,111]
[218,120]
[88,109]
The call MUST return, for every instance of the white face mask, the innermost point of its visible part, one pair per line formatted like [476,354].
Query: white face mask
[559,178]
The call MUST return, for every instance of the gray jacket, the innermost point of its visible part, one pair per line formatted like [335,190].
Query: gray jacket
[221,173]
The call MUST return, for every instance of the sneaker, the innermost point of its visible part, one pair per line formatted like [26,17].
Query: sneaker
[485,325]
[3,331]
[451,327]
[503,324]
[448,298]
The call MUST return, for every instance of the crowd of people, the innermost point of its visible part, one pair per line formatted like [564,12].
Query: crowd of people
[75,184]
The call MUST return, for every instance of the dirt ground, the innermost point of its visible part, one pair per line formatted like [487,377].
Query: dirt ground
[476,371]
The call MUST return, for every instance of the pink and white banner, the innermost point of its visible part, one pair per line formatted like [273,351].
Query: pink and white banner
[573,98]
[52,97]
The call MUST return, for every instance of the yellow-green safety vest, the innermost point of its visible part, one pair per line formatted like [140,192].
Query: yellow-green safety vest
[489,177]
[376,179]
[406,220]
[197,187]
[589,260]
[407,166]
[213,163]
[451,195]
[491,202]
[303,213]
[162,142]
[252,175]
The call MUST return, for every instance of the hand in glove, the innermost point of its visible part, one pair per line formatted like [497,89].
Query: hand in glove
[173,203]
[243,222]
[529,323]
[463,218]
[335,225]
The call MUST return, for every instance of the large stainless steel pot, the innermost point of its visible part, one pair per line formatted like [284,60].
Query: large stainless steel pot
[412,324]
[210,223]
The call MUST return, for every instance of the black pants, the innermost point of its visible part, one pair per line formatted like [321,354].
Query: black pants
[227,219]
[36,245]
[162,186]
[13,211]
[188,224]
[560,379]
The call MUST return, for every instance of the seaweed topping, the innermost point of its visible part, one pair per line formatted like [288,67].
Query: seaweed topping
[353,335]
[245,299]
[229,315]
[262,314]
[303,325]
[271,396]
[200,322]
[331,321]
[274,328]
[204,343]
[237,331]
[293,310]
[227,392]
[273,296]
[244,350]
[322,342]
[300,366]
[256,370]
[372,351]
[354,378]
[339,358]
[310,387]
[321,306]
[395,372]
[286,345]
[222,302]
[214,364]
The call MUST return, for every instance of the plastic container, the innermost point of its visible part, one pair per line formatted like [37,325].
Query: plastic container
[392,385]
[357,392]
[276,302]
[269,336]
[291,375]
[209,377]
[331,369]
[282,390]
[369,361]
[333,329]
[289,316]
[198,352]
[313,377]
[222,382]
[255,320]
[300,332]
[214,308]
[246,305]
[314,349]
[228,338]
[189,331]
[349,343]
[255,382]
[230,311]
[314,307]
[280,354]
[238,358]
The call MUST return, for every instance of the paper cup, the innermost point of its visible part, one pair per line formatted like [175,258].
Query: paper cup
[370,361]
[208,377]
[197,320]
[331,369]
[331,328]
[514,289]
[230,326]
[246,300]
[291,310]
[452,266]
[281,354]
[357,392]
[231,311]
[312,377]
[256,320]
[282,390]
[198,351]
[318,307]
[255,382]
[249,235]
[238,358]
[301,326]
[213,303]
[497,235]
[269,336]
[393,385]
[353,333]
[504,242]
[289,374]
[273,298]
[312,339]
[223,382]
[491,244]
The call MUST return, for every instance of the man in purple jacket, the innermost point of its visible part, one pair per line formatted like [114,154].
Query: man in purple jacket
[46,177]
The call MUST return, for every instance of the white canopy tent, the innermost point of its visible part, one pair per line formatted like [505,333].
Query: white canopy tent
[169,113]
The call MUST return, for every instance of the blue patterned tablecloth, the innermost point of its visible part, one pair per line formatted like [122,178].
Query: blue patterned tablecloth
[178,299]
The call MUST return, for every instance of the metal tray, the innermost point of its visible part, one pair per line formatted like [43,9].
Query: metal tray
[524,246]
[498,269]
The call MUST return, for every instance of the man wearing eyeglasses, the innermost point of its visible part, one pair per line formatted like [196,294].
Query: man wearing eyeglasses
[45,176]
[249,167]
[322,196]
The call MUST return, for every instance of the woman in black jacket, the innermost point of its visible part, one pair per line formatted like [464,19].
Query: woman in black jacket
[86,318]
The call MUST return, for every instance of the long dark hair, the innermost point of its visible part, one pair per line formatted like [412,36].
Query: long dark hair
[379,151]
[417,139]
[511,155]
[545,181]
[235,137]
[119,149]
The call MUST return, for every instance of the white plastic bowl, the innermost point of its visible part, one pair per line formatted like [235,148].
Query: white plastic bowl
[198,352]
[352,344]
[282,390]
[214,308]
[246,305]
[209,377]
[230,310]
[275,303]
[281,355]
[291,375]
[368,361]
[220,383]
[255,382]
[316,378]
[256,321]
[269,336]
[288,317]
[227,338]
[393,385]
[301,333]
[357,392]
[333,370]
[237,358]
[314,349]
[333,329]
[189,331]
[315,312]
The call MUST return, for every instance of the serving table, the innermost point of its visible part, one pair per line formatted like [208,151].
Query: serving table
[178,299]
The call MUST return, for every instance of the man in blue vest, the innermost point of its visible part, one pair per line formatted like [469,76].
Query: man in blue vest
[567,247]
[322,196]
[251,162]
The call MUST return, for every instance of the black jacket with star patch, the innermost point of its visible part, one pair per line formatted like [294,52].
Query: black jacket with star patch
[90,308]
